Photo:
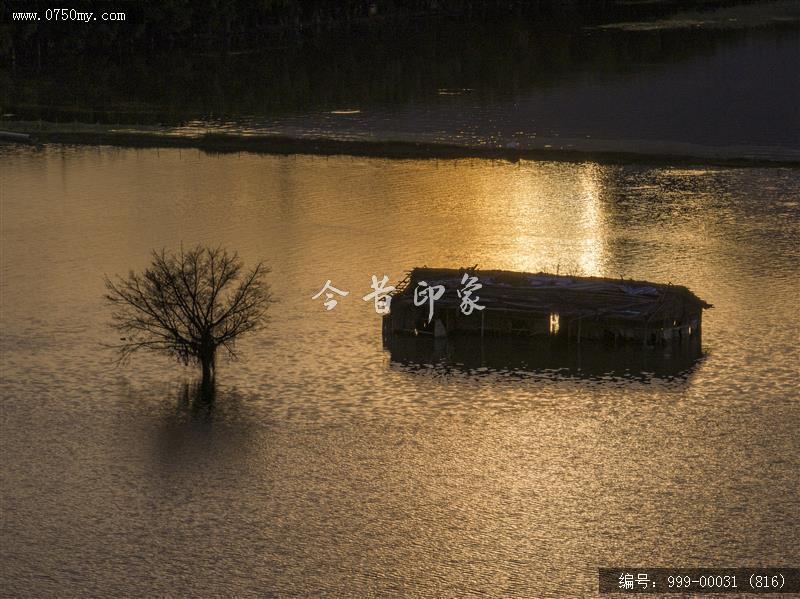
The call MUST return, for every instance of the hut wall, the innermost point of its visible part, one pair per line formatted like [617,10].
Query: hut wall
[407,318]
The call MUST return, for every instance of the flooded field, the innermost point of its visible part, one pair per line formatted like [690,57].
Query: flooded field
[327,465]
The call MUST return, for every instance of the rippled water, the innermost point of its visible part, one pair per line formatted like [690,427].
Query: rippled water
[326,467]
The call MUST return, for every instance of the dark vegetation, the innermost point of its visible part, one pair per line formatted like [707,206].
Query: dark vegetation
[176,60]
[236,25]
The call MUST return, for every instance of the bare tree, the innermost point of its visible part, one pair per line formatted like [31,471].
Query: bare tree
[188,304]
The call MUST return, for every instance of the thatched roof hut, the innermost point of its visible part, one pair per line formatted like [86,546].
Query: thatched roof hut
[565,307]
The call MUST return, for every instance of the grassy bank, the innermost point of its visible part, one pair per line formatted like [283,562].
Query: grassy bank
[602,151]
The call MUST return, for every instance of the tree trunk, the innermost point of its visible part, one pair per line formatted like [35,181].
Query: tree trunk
[207,362]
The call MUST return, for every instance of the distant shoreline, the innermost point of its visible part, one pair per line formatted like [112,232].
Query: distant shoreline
[565,151]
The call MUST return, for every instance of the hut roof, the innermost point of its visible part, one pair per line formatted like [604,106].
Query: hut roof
[566,295]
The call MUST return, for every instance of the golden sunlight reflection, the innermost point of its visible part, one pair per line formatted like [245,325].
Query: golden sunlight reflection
[554,223]
[527,216]
[592,222]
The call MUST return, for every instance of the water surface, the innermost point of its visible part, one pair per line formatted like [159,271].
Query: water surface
[324,467]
